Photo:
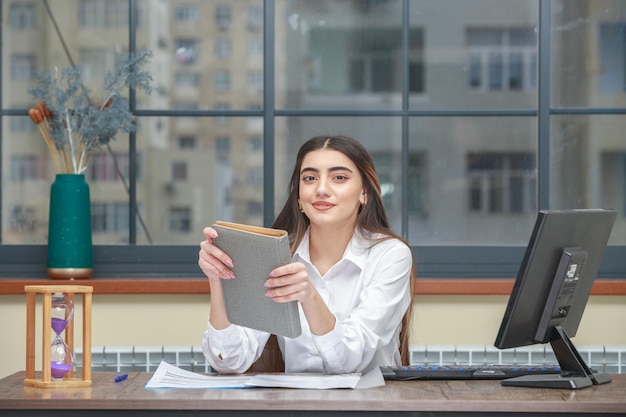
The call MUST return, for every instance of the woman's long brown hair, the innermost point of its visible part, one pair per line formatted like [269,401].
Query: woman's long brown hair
[372,219]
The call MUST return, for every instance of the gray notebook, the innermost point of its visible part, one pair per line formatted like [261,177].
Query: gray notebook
[255,252]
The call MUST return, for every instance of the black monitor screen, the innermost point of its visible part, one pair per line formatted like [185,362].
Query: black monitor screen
[551,291]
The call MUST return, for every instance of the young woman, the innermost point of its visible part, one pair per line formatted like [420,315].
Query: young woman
[351,275]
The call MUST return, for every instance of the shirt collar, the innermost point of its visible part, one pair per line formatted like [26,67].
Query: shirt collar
[356,251]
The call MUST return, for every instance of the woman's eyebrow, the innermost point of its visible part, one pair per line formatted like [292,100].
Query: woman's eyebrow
[331,169]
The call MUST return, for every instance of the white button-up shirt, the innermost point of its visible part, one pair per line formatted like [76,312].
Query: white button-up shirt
[368,291]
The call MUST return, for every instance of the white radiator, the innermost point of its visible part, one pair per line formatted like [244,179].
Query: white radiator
[609,359]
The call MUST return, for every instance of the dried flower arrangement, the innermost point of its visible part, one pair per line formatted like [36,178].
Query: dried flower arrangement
[72,123]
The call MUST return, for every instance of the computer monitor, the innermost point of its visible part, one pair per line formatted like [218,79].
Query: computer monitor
[551,291]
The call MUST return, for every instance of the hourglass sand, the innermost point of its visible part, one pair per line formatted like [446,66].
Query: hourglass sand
[57,355]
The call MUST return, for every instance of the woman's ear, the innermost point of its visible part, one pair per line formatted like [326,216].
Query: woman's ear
[363,198]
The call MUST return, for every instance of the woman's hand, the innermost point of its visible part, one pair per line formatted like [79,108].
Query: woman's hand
[212,260]
[290,283]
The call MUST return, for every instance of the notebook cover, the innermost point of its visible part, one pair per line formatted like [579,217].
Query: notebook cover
[255,252]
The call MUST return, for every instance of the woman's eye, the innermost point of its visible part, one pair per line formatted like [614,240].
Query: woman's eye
[340,178]
[308,178]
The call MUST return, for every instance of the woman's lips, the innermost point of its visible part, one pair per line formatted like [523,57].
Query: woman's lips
[322,205]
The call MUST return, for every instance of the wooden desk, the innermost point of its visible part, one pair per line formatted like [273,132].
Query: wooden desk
[415,398]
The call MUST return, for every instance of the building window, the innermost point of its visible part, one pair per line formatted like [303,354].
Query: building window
[95,63]
[222,81]
[612,78]
[254,80]
[187,79]
[22,67]
[187,142]
[222,147]
[222,17]
[103,14]
[255,176]
[180,219]
[22,16]
[502,183]
[187,51]
[254,46]
[502,59]
[22,125]
[223,48]
[23,219]
[186,14]
[27,167]
[254,208]
[222,119]
[255,18]
[255,144]
[103,167]
[109,217]
[179,171]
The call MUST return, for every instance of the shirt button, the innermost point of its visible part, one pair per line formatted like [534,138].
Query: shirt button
[315,352]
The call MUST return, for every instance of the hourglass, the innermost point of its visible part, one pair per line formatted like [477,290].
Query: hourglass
[57,354]
[61,356]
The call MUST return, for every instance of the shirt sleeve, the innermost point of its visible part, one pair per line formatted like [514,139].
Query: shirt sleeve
[352,345]
[233,349]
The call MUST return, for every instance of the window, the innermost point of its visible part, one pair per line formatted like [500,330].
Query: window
[103,14]
[255,18]
[22,125]
[502,59]
[223,48]
[94,63]
[222,119]
[179,171]
[612,49]
[255,80]
[22,67]
[27,167]
[22,16]
[187,79]
[501,183]
[187,142]
[109,217]
[23,219]
[180,219]
[445,95]
[254,46]
[222,81]
[186,14]
[186,51]
[222,17]
[103,167]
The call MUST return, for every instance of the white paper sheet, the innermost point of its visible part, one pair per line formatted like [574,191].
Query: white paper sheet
[169,376]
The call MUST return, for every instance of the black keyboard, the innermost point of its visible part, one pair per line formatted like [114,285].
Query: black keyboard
[405,373]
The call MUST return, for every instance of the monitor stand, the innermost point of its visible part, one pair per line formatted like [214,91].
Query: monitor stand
[575,373]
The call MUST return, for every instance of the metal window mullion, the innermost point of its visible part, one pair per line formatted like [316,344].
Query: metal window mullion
[404,180]
[268,112]
[543,107]
[132,142]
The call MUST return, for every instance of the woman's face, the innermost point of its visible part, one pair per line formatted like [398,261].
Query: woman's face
[331,188]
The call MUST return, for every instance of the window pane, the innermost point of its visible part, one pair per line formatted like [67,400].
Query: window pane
[341,56]
[588,68]
[479,180]
[587,165]
[482,57]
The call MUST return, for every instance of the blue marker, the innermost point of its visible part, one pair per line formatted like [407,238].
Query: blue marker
[121,377]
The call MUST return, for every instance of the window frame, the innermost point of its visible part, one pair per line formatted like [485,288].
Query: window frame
[437,262]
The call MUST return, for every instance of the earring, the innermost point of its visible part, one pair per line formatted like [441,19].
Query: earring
[300,207]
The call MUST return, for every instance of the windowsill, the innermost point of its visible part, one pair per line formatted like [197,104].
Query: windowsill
[439,286]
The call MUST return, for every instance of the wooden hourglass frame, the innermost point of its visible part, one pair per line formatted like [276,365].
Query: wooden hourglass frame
[46,380]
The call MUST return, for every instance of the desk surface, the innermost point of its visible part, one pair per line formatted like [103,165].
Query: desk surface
[407,396]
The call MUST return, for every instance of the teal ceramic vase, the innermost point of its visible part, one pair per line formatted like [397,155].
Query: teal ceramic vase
[70,248]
